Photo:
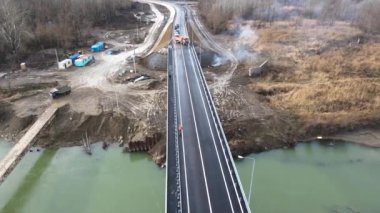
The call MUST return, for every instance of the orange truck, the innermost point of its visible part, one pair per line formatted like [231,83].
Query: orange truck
[180,39]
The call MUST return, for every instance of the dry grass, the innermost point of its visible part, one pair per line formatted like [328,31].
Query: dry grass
[320,73]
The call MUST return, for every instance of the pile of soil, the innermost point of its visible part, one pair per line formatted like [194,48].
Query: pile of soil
[70,127]
[10,123]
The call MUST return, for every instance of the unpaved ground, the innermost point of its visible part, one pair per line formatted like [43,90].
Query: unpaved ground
[99,107]
[327,76]
[368,137]
[320,80]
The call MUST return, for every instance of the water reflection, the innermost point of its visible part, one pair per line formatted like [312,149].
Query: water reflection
[68,180]
[315,178]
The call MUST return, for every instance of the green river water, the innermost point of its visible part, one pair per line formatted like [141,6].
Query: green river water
[310,178]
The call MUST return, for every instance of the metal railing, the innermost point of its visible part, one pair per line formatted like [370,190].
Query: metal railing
[172,123]
[220,131]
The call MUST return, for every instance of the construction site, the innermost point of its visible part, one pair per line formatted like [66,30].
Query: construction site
[277,79]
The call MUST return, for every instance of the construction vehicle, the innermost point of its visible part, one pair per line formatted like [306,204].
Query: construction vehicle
[180,39]
[60,91]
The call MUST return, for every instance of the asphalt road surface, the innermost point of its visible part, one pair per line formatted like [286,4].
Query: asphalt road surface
[207,179]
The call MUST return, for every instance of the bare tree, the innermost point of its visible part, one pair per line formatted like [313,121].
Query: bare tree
[369,16]
[11,25]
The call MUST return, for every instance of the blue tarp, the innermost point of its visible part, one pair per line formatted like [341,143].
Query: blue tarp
[74,57]
[97,47]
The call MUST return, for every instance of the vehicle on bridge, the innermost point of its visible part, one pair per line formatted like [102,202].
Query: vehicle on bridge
[181,39]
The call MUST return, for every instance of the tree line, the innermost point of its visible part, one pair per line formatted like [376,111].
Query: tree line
[362,13]
[39,24]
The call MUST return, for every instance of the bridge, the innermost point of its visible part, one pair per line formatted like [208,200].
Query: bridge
[15,154]
[201,174]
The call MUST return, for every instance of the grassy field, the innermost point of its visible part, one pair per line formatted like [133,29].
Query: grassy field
[326,75]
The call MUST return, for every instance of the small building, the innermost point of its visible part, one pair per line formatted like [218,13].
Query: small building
[74,57]
[83,60]
[99,46]
[23,66]
[62,65]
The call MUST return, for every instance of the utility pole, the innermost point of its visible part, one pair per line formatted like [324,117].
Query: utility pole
[137,31]
[56,55]
[252,173]
[134,61]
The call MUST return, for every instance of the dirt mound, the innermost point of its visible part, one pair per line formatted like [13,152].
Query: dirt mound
[249,124]
[256,135]
[70,127]
[10,123]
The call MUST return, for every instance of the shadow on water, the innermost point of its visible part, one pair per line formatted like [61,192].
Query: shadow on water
[136,157]
[26,187]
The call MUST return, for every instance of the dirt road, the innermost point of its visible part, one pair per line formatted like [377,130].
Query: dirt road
[96,75]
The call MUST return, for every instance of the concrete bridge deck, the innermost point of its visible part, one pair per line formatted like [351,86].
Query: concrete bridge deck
[15,154]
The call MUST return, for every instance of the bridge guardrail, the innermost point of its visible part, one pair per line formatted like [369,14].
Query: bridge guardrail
[219,127]
[172,150]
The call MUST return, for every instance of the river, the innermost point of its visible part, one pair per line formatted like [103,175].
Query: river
[309,178]
[315,178]
[67,180]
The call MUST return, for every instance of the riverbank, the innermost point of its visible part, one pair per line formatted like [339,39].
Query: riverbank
[109,181]
[317,80]
[366,137]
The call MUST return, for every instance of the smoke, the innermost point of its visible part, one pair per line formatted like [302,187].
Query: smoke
[244,53]
[218,61]
[244,36]
[362,13]
[247,34]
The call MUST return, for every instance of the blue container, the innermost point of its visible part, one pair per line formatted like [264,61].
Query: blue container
[74,57]
[83,60]
[99,46]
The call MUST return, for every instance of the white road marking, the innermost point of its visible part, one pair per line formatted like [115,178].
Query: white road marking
[226,158]
[183,143]
[212,134]
[196,131]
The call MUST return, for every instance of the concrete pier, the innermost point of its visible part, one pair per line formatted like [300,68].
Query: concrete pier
[14,155]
